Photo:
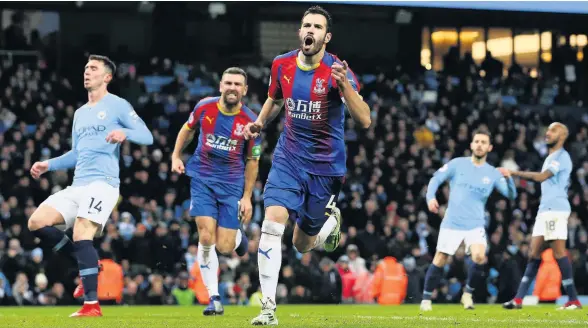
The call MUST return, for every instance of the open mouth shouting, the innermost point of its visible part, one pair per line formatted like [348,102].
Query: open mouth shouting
[308,43]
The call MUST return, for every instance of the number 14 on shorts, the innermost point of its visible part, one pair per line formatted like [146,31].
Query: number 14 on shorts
[95,206]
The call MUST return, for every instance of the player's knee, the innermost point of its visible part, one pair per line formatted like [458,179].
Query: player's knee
[559,253]
[44,217]
[36,223]
[534,254]
[276,214]
[479,258]
[272,228]
[225,247]
[206,230]
[205,237]
[440,259]
[84,229]
[301,246]
[271,234]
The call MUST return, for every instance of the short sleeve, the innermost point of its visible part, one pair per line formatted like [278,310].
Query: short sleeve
[195,115]
[275,89]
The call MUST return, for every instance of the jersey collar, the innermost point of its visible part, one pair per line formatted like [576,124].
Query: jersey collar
[224,112]
[304,67]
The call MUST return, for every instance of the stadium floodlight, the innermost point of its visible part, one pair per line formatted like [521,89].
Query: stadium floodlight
[146,7]
[216,9]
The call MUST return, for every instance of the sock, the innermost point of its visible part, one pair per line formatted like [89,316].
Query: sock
[530,274]
[241,243]
[475,276]
[208,261]
[269,257]
[88,265]
[567,278]
[326,230]
[432,280]
[56,239]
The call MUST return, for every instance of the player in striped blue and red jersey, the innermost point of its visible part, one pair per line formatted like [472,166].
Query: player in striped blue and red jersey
[223,171]
[309,160]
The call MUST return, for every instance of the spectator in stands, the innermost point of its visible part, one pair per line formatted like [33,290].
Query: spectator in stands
[14,35]
[329,288]
[300,295]
[357,264]
[348,279]
[5,294]
[390,282]
[181,293]
[21,291]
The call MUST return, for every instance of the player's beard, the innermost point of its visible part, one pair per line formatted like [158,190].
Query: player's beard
[480,157]
[231,103]
[552,144]
[315,48]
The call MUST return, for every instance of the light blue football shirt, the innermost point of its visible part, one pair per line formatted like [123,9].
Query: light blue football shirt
[554,191]
[469,188]
[91,155]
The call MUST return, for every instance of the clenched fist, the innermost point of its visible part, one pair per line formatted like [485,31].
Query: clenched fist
[39,168]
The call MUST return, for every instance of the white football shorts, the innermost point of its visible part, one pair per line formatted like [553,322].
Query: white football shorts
[94,202]
[552,225]
[449,239]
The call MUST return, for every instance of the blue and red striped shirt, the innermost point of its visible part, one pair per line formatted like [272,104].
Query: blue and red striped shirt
[222,150]
[313,133]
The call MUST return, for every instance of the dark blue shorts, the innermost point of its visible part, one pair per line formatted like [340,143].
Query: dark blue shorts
[307,197]
[217,200]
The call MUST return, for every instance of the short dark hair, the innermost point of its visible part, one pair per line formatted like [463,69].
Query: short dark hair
[483,132]
[318,10]
[236,71]
[108,63]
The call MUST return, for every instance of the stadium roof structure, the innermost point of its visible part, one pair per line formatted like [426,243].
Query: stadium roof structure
[568,7]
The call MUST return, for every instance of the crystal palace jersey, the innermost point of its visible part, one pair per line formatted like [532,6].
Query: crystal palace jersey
[222,150]
[313,135]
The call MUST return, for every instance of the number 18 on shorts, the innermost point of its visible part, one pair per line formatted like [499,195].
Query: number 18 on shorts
[552,225]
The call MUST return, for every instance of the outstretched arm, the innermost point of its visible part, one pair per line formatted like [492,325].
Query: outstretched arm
[535,176]
[553,167]
[69,159]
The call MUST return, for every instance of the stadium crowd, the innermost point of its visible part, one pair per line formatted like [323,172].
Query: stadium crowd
[421,121]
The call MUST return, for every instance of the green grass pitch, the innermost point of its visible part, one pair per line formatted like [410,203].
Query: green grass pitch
[306,316]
